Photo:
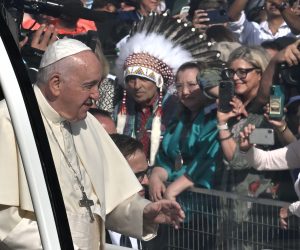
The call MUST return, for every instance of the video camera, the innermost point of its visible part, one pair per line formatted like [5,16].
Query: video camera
[290,74]
[54,8]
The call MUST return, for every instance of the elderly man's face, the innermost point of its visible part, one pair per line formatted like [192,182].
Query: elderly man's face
[80,87]
[141,89]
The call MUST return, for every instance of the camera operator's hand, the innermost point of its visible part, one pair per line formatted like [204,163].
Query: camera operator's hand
[43,37]
[200,20]
[245,144]
[291,54]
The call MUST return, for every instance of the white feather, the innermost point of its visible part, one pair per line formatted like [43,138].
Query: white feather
[155,45]
[121,123]
[155,138]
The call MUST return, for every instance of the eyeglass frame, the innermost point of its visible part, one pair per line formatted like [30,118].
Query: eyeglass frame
[190,86]
[225,72]
[141,175]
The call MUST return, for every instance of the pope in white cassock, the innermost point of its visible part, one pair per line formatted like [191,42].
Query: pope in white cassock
[87,162]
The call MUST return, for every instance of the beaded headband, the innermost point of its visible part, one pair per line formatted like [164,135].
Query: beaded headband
[147,66]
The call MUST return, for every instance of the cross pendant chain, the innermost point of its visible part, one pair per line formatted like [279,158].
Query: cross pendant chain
[85,202]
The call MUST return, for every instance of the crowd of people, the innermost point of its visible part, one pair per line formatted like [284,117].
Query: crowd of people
[132,108]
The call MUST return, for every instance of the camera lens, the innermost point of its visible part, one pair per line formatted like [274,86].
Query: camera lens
[290,75]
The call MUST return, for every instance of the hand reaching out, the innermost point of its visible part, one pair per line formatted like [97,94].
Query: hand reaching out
[283,215]
[164,212]
[156,188]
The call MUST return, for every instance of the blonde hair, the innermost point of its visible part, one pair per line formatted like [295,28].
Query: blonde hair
[254,55]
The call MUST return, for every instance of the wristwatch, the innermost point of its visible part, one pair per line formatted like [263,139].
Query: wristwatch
[223,126]
[282,6]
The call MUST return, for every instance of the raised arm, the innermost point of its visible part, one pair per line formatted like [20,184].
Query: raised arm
[235,9]
[279,159]
[291,55]
[289,15]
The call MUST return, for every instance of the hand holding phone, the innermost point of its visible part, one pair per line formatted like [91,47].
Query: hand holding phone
[276,103]
[217,16]
[262,136]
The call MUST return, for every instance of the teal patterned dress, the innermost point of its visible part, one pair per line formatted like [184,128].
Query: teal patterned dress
[198,144]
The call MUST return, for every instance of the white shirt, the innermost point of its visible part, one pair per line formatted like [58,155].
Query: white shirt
[115,240]
[252,33]
[284,158]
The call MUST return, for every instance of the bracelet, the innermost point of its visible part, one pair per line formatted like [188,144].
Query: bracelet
[223,126]
[282,6]
[226,138]
[282,129]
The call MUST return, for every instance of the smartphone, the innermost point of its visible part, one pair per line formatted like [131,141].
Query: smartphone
[276,102]
[226,93]
[262,136]
[217,16]
[184,10]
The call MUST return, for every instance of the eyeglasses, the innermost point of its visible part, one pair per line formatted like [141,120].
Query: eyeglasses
[141,175]
[241,73]
[189,86]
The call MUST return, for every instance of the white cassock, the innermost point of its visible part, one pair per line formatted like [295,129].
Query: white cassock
[101,168]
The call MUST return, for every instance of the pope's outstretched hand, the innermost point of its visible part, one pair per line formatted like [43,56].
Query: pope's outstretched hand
[164,212]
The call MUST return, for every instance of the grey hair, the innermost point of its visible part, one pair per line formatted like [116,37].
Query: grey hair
[255,55]
[61,67]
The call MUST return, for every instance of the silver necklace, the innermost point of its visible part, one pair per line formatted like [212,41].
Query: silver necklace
[84,202]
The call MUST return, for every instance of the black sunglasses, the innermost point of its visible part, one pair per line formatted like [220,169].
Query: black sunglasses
[141,175]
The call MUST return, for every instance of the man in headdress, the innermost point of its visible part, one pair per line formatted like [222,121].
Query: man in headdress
[67,82]
[146,65]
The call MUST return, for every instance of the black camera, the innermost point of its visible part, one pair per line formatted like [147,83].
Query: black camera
[290,74]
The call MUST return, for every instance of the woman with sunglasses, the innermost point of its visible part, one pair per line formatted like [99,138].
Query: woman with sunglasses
[245,68]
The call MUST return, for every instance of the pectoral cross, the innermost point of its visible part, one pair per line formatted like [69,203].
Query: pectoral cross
[85,202]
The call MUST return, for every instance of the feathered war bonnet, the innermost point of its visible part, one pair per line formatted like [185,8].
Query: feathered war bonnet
[157,46]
